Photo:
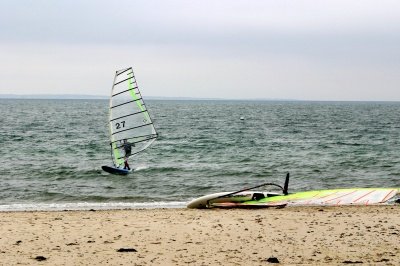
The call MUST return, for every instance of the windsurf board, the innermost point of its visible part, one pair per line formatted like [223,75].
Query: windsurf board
[211,199]
[115,170]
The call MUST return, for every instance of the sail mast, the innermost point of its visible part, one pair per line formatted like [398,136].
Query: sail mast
[110,117]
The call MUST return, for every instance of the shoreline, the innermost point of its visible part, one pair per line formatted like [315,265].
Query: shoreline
[177,236]
[87,206]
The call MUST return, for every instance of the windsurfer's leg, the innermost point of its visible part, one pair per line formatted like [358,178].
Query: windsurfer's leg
[126,165]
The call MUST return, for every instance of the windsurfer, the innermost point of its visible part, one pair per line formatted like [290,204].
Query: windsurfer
[128,150]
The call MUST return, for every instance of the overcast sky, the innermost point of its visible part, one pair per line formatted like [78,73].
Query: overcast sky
[310,50]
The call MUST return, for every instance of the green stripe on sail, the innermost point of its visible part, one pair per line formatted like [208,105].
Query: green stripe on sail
[314,194]
[135,97]
[118,160]
[304,195]
[117,156]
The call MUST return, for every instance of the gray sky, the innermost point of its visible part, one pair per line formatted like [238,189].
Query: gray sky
[312,50]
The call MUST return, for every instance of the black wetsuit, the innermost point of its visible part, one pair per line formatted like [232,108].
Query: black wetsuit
[127,149]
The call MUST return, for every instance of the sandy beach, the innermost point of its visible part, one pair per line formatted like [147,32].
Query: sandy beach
[292,235]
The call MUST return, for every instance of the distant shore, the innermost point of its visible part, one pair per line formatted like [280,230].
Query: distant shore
[292,235]
[171,98]
[53,96]
[106,97]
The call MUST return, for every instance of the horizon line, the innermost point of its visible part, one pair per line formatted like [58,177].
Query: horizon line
[99,97]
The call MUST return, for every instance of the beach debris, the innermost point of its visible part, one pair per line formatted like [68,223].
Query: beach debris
[352,262]
[18,242]
[126,250]
[40,258]
[272,260]
[383,260]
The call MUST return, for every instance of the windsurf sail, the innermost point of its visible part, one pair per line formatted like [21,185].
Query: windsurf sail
[131,128]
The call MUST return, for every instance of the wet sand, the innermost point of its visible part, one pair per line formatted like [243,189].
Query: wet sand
[292,235]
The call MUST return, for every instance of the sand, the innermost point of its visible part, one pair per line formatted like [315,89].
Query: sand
[292,235]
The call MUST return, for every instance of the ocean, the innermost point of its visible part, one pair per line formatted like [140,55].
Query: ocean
[53,150]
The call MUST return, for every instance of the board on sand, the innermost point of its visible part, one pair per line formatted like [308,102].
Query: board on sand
[220,199]
[115,170]
[242,205]
[234,199]
[329,197]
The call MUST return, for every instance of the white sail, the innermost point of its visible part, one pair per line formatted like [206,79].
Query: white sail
[130,122]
